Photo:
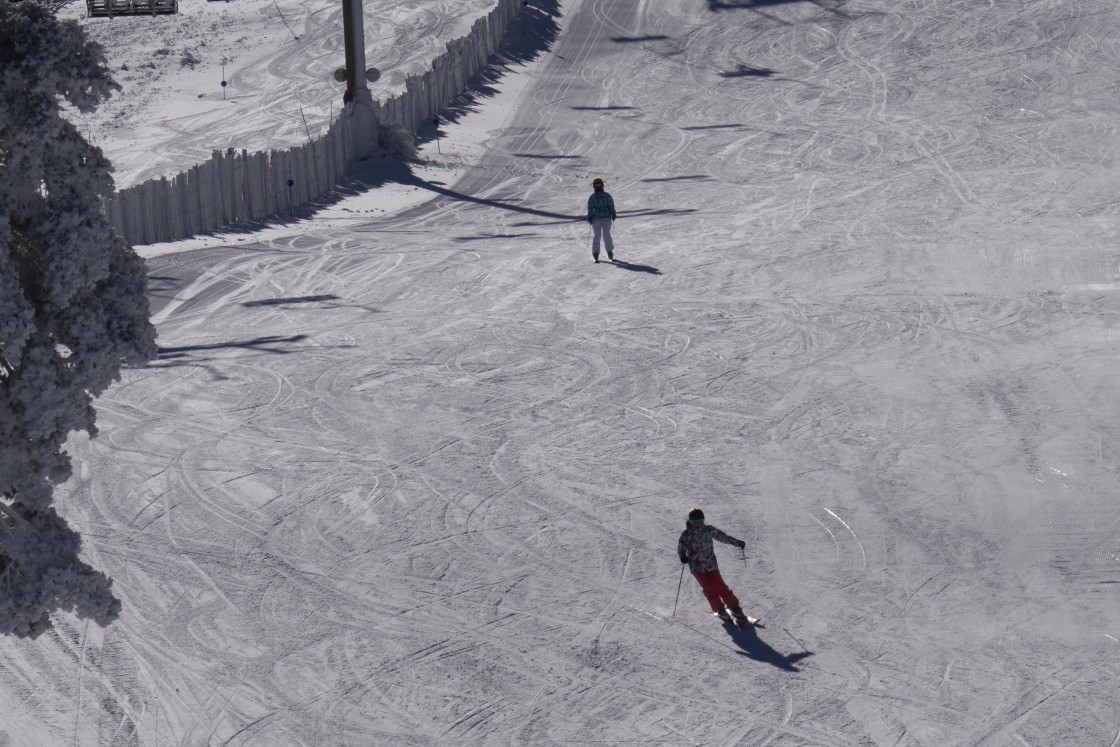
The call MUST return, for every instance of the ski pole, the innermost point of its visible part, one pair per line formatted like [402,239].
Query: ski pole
[799,643]
[678,592]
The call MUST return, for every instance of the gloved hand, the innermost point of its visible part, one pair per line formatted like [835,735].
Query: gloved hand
[742,544]
[683,559]
[590,219]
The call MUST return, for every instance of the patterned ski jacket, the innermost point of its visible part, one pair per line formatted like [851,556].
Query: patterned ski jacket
[695,547]
[600,205]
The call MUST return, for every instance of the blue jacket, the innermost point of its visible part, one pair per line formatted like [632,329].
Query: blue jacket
[600,205]
[695,547]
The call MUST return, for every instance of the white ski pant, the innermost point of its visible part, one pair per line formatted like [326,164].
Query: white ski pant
[601,233]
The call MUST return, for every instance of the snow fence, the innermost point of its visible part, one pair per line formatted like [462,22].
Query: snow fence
[239,187]
[232,187]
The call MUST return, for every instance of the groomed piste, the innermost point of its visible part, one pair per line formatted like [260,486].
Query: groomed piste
[410,468]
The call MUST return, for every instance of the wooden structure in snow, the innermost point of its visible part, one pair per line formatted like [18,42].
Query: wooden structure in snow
[110,8]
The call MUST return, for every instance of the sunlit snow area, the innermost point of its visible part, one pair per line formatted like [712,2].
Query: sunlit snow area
[410,468]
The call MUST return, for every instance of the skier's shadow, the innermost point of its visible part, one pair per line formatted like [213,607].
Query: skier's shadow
[755,648]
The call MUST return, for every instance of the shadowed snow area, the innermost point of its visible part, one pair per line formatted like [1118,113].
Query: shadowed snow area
[410,468]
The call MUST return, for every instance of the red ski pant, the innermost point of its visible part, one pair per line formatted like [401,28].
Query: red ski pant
[719,596]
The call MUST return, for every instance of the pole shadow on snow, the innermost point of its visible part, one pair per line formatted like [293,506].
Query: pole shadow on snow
[291,300]
[689,177]
[632,39]
[607,108]
[695,128]
[756,649]
[385,170]
[388,170]
[635,267]
[746,71]
[659,211]
[758,5]
[548,156]
[494,236]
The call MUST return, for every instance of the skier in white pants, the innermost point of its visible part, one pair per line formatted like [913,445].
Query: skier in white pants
[601,215]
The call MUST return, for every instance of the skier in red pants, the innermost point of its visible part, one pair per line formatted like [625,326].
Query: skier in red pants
[695,548]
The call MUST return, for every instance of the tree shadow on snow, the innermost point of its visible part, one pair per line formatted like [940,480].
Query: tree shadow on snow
[269,344]
[756,649]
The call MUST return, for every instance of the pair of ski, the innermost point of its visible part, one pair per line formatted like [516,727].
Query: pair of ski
[746,621]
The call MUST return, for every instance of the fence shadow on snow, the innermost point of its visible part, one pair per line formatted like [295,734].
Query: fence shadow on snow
[528,36]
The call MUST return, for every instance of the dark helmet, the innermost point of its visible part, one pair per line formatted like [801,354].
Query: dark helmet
[696,517]
[597,182]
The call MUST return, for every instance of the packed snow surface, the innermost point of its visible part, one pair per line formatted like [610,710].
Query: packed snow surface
[410,468]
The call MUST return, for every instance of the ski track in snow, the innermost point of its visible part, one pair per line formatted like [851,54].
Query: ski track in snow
[419,479]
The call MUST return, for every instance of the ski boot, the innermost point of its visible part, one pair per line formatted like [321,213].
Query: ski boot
[742,619]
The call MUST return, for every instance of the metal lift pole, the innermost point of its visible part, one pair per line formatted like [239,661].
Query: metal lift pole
[359,101]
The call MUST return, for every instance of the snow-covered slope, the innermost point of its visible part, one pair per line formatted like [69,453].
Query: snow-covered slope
[415,476]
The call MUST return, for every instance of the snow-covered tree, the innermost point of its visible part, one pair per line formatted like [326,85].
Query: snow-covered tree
[73,308]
